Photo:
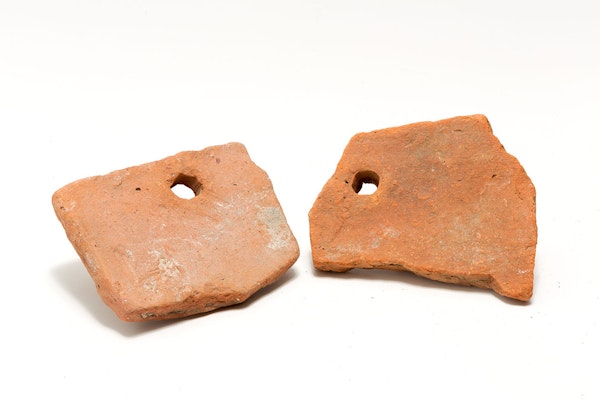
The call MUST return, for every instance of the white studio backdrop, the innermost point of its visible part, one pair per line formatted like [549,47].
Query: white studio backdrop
[90,87]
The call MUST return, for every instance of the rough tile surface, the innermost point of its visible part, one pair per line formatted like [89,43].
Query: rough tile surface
[154,255]
[451,205]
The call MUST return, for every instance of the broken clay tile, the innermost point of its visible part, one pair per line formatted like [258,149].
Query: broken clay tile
[154,255]
[450,205]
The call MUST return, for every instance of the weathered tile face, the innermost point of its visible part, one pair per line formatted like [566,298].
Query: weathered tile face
[154,255]
[450,205]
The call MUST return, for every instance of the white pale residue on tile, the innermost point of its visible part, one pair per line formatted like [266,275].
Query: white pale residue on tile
[211,235]
[388,232]
[391,232]
[273,218]
[348,248]
[71,206]
[90,263]
[260,196]
[222,205]
[167,268]
[375,243]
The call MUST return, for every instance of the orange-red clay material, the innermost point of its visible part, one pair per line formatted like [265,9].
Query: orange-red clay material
[154,255]
[450,205]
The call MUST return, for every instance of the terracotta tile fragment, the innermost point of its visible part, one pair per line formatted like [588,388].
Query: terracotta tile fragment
[154,255]
[450,205]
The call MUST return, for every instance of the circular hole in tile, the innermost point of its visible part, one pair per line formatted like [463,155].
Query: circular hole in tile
[186,186]
[365,182]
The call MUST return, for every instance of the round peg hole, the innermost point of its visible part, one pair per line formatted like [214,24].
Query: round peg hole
[365,182]
[186,186]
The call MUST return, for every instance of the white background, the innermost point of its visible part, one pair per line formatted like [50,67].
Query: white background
[90,87]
